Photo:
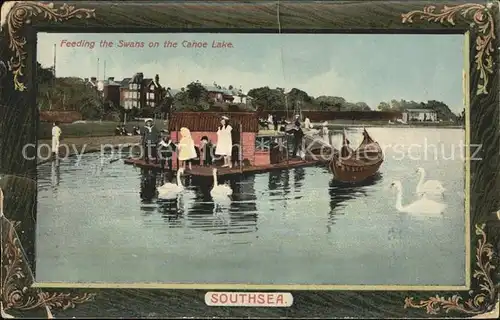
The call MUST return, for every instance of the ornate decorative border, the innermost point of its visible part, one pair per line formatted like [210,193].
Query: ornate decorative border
[20,14]
[479,302]
[17,293]
[482,22]
[16,290]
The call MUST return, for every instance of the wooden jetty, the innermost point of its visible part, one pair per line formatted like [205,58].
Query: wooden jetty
[206,171]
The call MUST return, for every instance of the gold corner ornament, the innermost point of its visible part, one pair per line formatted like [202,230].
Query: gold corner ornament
[17,293]
[21,14]
[482,19]
[479,302]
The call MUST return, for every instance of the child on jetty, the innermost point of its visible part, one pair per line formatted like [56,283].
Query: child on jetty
[166,148]
[207,150]
[187,151]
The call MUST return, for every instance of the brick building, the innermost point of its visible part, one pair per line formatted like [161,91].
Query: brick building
[140,92]
[110,91]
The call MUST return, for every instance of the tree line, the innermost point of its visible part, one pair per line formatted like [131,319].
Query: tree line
[74,94]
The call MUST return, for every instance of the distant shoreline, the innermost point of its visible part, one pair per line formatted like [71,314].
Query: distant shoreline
[395,125]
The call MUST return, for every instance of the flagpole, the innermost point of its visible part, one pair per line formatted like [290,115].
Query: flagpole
[54,67]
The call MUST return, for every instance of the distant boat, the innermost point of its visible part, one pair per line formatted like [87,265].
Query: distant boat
[357,165]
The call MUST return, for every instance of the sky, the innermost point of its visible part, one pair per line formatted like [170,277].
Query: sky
[359,67]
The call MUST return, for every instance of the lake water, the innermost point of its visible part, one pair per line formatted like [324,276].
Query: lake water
[285,227]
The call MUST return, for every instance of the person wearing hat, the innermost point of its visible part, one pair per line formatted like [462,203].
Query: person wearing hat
[298,134]
[307,123]
[150,137]
[56,138]
[224,145]
[297,121]
[325,132]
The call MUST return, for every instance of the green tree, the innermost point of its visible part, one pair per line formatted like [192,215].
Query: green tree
[196,92]
[72,94]
[461,117]
[443,111]
[384,106]
[361,106]
[44,75]
[330,103]
[267,98]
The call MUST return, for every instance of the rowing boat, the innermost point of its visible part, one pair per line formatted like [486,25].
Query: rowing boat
[357,165]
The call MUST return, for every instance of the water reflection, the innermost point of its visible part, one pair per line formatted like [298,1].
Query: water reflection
[340,192]
[243,210]
[55,174]
[195,208]
[148,185]
[239,217]
[171,212]
[279,185]
[298,178]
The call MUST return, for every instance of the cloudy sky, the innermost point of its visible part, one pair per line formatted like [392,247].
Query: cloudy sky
[369,68]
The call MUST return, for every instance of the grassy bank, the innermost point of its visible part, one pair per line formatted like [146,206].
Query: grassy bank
[79,145]
[89,129]
[107,128]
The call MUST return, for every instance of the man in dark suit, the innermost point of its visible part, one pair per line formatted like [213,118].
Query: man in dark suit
[298,134]
[150,139]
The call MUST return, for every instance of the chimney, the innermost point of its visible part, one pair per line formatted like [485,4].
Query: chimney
[93,79]
[111,79]
[86,79]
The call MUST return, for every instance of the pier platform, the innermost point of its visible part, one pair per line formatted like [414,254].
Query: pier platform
[205,171]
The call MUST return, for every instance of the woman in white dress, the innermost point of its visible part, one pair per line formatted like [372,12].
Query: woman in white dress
[56,138]
[224,141]
[307,124]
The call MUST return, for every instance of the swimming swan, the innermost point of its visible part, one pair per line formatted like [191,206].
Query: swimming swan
[422,206]
[430,186]
[220,193]
[169,191]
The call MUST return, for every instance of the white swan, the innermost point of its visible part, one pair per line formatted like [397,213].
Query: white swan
[220,193]
[170,191]
[422,206]
[432,187]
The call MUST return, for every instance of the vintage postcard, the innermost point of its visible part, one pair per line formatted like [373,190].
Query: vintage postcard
[250,167]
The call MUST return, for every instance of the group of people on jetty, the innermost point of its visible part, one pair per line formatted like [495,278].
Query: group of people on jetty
[159,146]
[297,130]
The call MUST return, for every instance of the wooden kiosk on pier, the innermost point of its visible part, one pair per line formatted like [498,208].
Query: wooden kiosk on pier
[254,152]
